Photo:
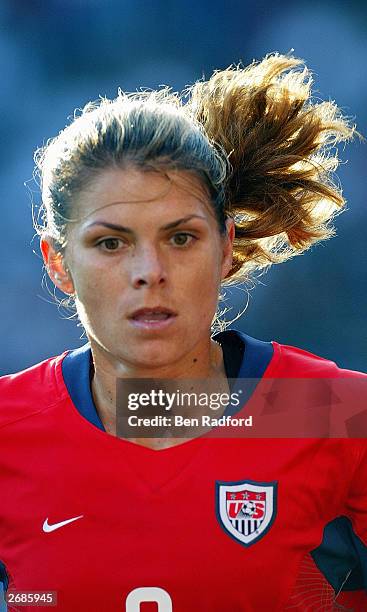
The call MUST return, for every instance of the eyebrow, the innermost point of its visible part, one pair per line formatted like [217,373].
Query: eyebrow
[121,228]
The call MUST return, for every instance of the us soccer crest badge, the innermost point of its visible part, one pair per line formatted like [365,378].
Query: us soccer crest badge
[246,510]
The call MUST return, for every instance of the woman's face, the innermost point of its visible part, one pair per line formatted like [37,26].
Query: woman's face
[145,260]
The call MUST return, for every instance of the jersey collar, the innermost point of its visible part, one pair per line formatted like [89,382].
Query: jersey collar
[244,357]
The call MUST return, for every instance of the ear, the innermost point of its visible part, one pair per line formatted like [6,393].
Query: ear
[55,266]
[228,248]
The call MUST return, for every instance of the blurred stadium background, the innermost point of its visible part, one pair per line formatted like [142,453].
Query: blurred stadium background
[57,55]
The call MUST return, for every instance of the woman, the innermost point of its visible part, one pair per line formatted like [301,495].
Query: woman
[150,206]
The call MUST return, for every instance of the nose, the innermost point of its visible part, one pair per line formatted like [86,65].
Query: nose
[147,268]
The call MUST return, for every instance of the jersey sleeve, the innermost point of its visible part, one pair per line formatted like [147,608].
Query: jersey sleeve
[354,592]
[335,573]
[356,499]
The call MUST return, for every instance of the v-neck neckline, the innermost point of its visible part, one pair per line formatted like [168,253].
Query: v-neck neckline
[244,357]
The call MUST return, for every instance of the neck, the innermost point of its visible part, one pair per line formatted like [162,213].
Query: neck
[204,362]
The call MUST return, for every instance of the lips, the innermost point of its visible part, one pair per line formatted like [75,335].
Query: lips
[156,314]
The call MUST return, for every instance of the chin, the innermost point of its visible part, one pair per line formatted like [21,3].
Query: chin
[153,357]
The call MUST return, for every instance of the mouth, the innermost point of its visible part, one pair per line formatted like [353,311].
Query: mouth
[152,318]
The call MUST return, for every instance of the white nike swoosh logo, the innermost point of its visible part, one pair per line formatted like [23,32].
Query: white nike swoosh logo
[48,528]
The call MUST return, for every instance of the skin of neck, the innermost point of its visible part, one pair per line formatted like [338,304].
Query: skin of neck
[204,362]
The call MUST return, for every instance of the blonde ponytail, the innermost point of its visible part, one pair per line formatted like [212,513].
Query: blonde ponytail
[282,149]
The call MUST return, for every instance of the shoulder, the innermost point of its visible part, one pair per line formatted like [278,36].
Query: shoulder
[32,390]
[292,362]
[335,395]
[275,360]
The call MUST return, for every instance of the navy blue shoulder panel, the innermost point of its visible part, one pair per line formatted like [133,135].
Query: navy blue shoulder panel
[76,371]
[342,556]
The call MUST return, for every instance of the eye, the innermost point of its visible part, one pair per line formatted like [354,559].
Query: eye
[182,239]
[110,244]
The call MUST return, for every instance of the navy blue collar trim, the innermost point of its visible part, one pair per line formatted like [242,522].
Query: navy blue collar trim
[76,369]
[251,360]
[255,358]
[255,354]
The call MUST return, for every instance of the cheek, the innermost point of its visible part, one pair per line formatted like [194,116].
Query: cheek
[87,288]
[91,280]
[91,291]
[207,288]
[202,287]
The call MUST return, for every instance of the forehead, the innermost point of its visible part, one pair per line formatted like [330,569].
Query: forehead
[133,189]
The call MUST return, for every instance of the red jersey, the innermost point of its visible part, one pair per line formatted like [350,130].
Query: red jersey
[212,524]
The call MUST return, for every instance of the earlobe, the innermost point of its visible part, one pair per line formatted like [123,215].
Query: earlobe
[55,266]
